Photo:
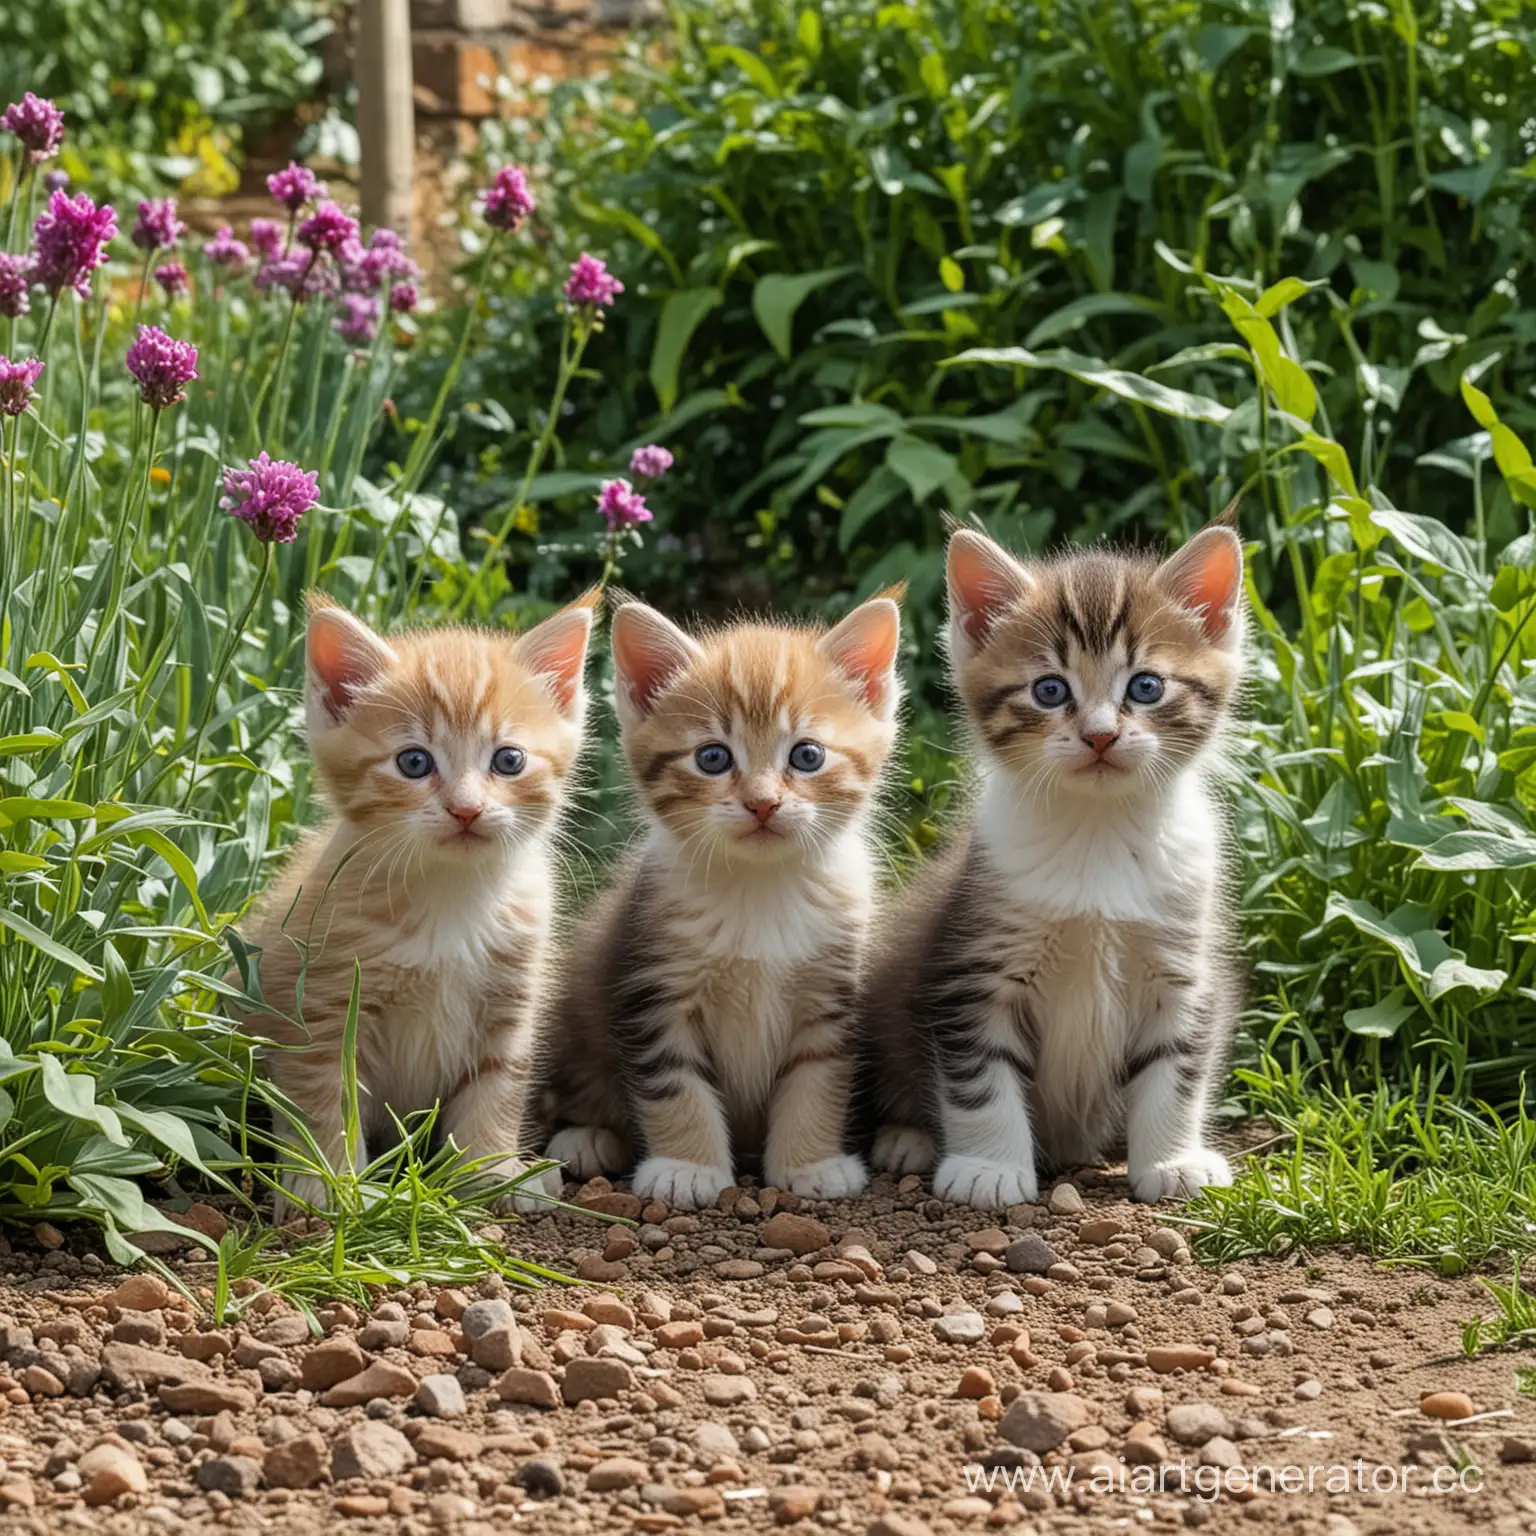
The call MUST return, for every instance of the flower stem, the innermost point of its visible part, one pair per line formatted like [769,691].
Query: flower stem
[573,343]
[226,656]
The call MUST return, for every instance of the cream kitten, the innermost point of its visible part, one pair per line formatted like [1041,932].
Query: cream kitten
[1065,973]
[709,1007]
[446,756]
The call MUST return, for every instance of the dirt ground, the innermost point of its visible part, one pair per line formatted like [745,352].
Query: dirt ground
[890,1366]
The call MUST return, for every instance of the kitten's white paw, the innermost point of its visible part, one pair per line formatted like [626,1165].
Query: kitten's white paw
[833,1178]
[984,1184]
[903,1149]
[587,1150]
[683,1186]
[1180,1177]
[526,1199]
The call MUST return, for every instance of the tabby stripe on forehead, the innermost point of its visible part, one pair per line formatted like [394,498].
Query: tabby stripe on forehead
[1200,689]
[995,700]
[1068,621]
[659,762]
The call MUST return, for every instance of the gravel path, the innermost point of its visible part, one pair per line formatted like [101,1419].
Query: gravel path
[864,1367]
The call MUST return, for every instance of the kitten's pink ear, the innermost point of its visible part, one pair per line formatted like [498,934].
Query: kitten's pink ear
[648,651]
[556,649]
[342,655]
[984,582]
[864,647]
[1206,576]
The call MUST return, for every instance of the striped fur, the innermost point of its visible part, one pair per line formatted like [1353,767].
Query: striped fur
[449,924]
[1063,973]
[708,1010]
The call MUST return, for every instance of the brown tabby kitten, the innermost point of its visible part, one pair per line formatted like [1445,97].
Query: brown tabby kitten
[446,757]
[1064,972]
[707,1016]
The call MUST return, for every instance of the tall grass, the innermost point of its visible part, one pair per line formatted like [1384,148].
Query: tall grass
[151,758]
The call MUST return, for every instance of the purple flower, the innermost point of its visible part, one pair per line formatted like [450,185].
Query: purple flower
[403,298]
[55,181]
[162,365]
[157,227]
[173,278]
[327,228]
[622,505]
[270,496]
[300,275]
[359,317]
[15,280]
[225,251]
[650,462]
[507,200]
[71,242]
[17,383]
[38,124]
[267,239]
[295,186]
[591,283]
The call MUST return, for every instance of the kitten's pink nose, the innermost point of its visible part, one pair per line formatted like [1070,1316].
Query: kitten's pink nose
[762,809]
[1101,741]
[465,815]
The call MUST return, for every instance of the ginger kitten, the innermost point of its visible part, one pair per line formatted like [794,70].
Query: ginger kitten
[446,756]
[708,1012]
[1064,973]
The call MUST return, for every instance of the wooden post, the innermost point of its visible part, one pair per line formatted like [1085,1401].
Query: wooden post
[386,119]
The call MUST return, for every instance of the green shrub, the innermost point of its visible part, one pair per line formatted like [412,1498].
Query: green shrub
[162,91]
[815,206]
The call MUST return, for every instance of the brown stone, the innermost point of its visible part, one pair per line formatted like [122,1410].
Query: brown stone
[432,1345]
[206,1397]
[109,1471]
[331,1361]
[799,1234]
[975,1382]
[140,1293]
[522,1385]
[381,1379]
[298,1463]
[614,1473]
[1447,1405]
[362,1505]
[442,1442]
[681,1335]
[588,1377]
[1164,1358]
[132,1365]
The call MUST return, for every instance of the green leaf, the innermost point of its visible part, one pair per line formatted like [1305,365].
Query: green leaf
[873,497]
[1287,380]
[1091,306]
[169,1131]
[808,32]
[1426,538]
[920,464]
[47,944]
[1038,203]
[775,299]
[681,316]
[1313,62]
[1092,370]
[28,741]
[1383,1018]
[117,988]
[1472,849]
[74,1094]
[19,808]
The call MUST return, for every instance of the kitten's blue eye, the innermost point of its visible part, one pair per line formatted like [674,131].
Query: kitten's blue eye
[713,759]
[414,762]
[1144,688]
[1051,692]
[509,761]
[807,756]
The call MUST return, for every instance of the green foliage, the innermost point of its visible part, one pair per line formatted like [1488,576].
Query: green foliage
[817,208]
[1513,1323]
[152,767]
[161,91]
